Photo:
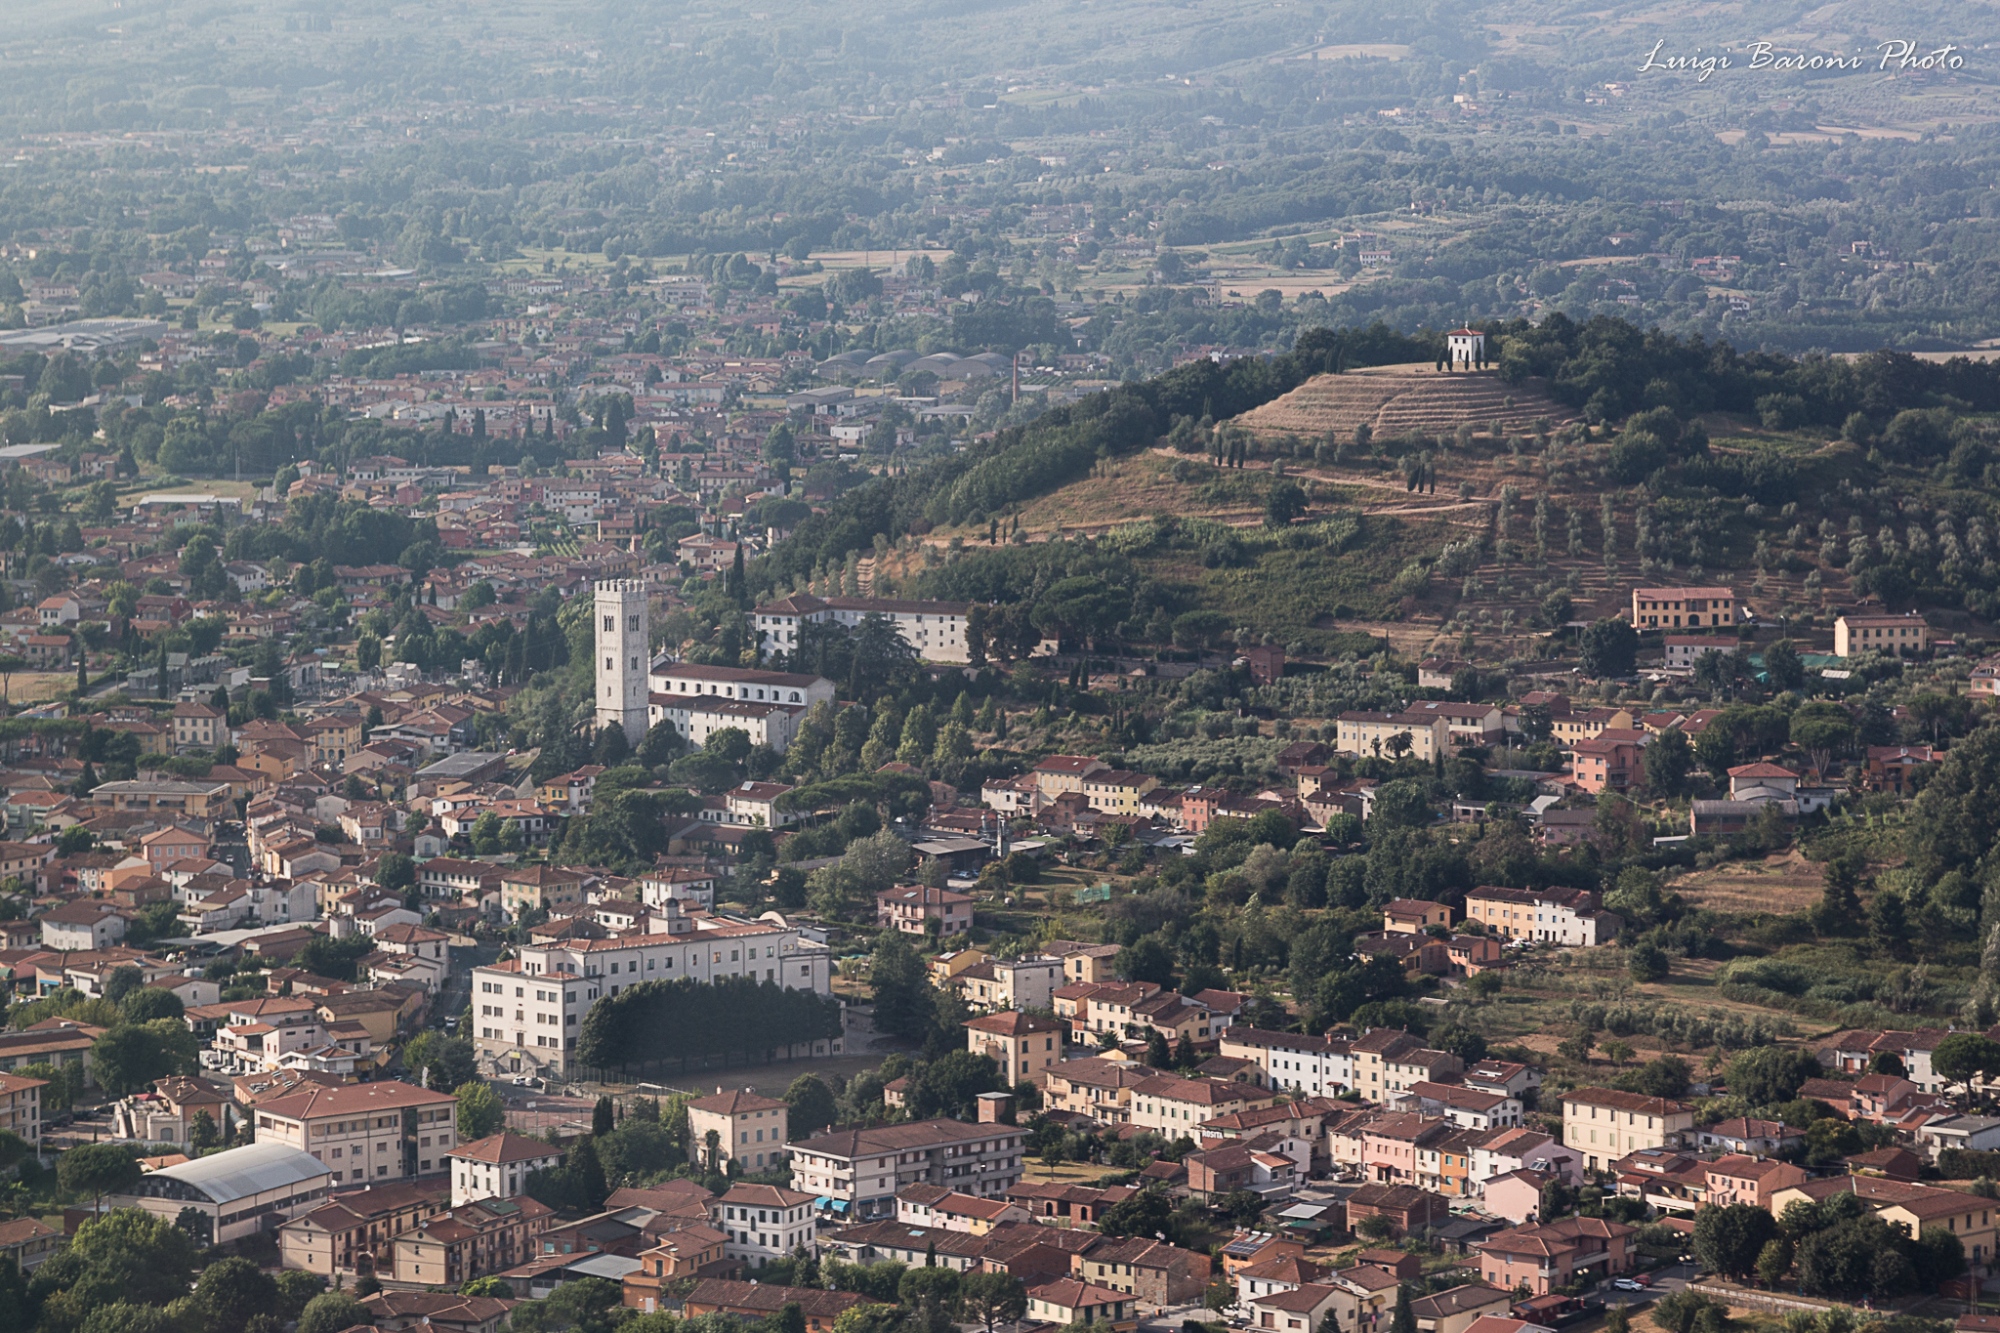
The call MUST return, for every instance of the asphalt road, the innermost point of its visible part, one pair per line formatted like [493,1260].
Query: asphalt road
[457,993]
[1674,1277]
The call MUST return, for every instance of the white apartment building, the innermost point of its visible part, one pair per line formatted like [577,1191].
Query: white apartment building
[936,630]
[528,1011]
[1684,650]
[283,900]
[497,1166]
[1011,983]
[1553,916]
[1293,1061]
[765,1222]
[1505,1150]
[255,1036]
[1467,1108]
[254,1048]
[858,1171]
[692,889]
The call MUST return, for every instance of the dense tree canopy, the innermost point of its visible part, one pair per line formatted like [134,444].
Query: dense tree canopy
[651,1022]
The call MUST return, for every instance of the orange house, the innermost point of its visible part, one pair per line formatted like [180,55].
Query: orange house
[1454,1163]
[1470,955]
[680,1254]
[1250,1248]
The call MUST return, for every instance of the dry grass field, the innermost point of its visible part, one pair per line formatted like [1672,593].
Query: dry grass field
[1785,883]
[1124,490]
[1359,51]
[27,687]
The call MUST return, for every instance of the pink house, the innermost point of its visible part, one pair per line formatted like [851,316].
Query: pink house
[1517,1196]
[1752,1180]
[172,844]
[1608,761]
[1389,1145]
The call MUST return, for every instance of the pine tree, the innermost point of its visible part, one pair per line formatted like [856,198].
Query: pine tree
[1840,900]
[1888,922]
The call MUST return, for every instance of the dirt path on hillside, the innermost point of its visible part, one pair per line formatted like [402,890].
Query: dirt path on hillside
[1362,481]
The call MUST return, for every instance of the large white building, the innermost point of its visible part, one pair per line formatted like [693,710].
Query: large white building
[701,700]
[765,1222]
[697,719]
[686,680]
[528,1011]
[935,629]
[624,650]
[858,1171]
[1294,1062]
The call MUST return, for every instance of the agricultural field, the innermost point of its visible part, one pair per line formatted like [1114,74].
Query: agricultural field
[1775,885]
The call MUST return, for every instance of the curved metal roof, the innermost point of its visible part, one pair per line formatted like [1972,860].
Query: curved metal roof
[241,1172]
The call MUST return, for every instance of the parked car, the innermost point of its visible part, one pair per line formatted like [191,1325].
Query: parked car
[1628,1284]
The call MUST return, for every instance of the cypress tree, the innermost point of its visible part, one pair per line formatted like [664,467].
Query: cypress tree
[736,585]
[1405,1320]
[587,1173]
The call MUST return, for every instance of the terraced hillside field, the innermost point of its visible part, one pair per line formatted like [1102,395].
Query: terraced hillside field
[1394,400]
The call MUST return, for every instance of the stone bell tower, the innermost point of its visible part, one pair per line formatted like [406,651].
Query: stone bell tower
[624,649]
